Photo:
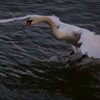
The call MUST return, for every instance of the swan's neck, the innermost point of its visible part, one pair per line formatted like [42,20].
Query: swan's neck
[52,25]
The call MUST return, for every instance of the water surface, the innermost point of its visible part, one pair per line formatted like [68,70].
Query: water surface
[26,70]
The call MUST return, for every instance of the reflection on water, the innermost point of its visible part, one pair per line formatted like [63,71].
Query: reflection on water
[26,70]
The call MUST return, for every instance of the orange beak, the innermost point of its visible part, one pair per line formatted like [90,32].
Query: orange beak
[27,23]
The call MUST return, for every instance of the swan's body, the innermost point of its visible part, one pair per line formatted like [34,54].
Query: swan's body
[82,40]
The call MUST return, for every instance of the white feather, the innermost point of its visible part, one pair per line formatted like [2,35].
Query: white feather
[90,44]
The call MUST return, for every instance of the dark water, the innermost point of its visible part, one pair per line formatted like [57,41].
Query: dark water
[26,70]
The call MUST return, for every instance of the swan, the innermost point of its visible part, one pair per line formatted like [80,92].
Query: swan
[82,40]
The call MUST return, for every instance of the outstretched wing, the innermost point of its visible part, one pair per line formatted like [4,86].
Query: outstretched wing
[90,44]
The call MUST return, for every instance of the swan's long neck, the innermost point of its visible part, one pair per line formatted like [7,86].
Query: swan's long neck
[52,25]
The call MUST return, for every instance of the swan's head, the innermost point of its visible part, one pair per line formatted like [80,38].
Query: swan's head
[32,21]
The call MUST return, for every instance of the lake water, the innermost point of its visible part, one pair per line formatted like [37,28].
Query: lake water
[27,71]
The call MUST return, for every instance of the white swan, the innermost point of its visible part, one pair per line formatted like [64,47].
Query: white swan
[82,40]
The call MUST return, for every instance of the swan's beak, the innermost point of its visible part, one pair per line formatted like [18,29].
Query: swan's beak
[27,23]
